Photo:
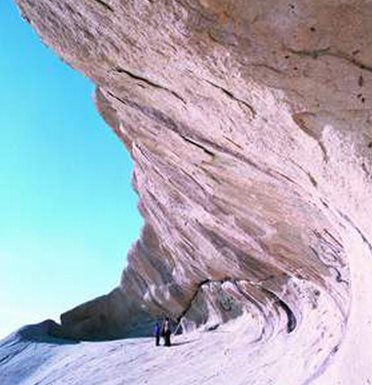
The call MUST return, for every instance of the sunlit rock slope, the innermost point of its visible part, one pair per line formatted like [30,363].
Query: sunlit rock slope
[249,126]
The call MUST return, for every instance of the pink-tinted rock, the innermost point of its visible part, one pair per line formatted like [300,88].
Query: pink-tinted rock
[249,125]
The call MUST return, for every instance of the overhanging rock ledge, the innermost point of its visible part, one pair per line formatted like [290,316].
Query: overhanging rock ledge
[249,126]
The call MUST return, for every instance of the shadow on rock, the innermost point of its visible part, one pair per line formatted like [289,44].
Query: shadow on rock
[44,332]
[182,343]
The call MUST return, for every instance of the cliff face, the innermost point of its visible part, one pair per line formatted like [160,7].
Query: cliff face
[249,126]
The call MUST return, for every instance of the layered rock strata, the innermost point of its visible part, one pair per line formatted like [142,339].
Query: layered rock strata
[249,126]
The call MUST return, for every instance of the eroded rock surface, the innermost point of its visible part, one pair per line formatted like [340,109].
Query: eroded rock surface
[249,125]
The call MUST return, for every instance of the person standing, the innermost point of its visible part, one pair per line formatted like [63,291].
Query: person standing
[166,332]
[156,333]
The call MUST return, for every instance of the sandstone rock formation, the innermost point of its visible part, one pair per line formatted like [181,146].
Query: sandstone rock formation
[249,125]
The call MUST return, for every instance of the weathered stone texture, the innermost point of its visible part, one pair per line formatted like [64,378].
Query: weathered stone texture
[249,125]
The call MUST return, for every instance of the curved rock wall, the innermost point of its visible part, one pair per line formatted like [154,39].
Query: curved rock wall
[249,125]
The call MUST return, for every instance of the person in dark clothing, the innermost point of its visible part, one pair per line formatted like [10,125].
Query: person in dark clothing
[166,332]
[156,332]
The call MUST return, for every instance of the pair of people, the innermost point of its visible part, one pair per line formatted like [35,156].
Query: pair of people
[163,330]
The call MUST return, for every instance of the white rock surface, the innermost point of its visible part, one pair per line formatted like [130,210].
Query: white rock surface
[249,124]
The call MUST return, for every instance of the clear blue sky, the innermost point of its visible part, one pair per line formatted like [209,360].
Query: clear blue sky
[67,212]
